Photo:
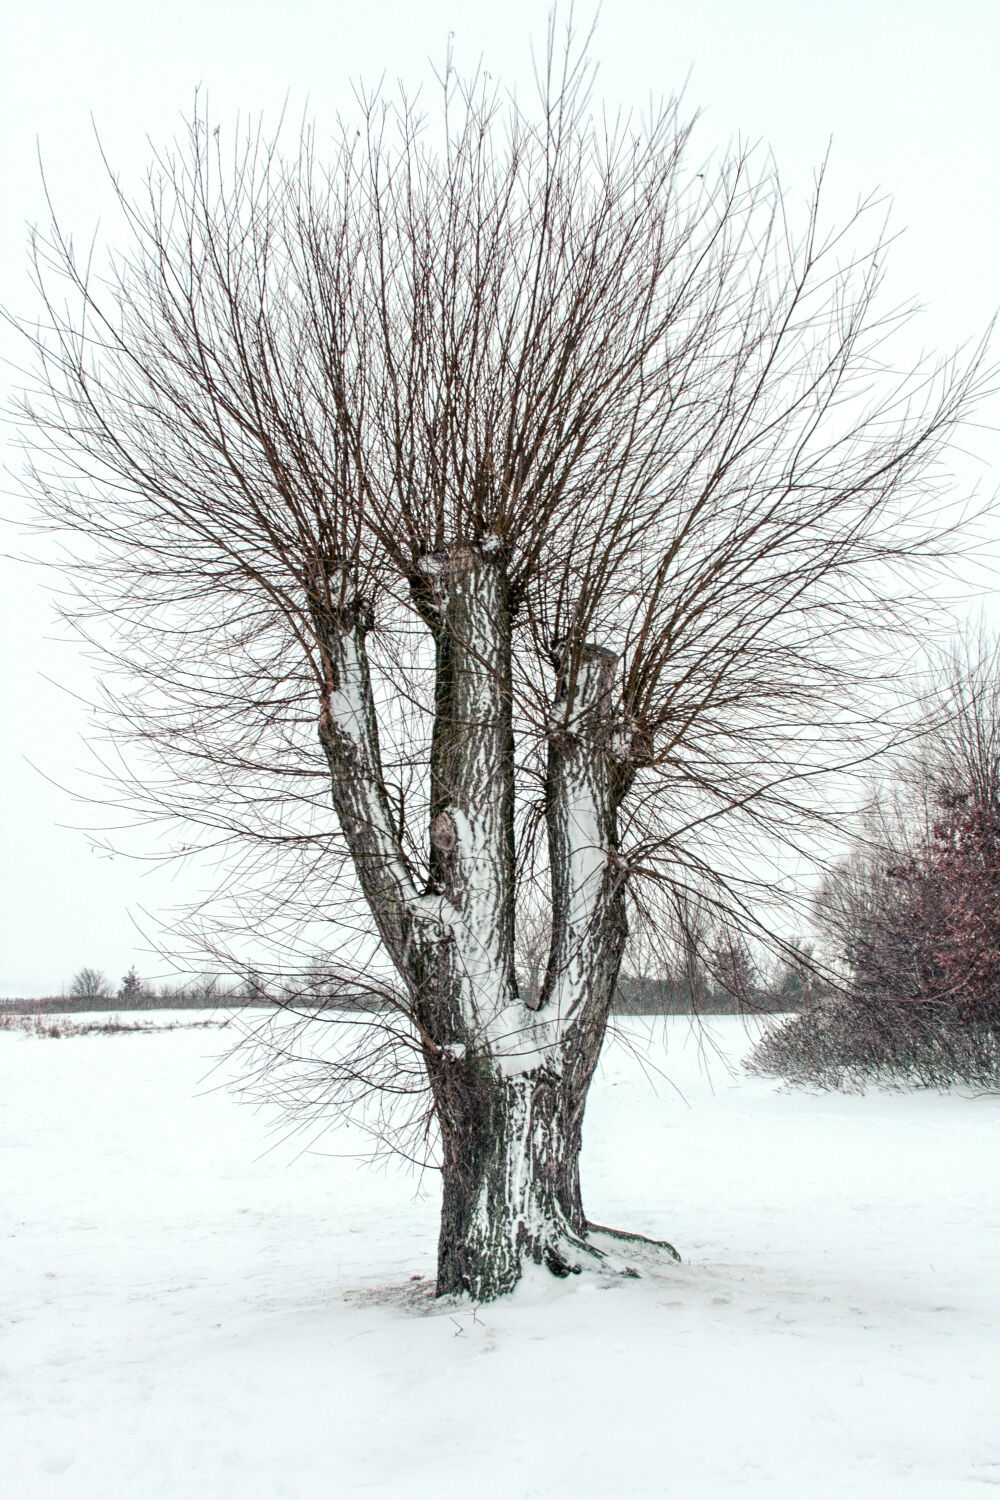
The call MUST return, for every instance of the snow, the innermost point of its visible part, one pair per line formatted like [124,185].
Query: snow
[200,1308]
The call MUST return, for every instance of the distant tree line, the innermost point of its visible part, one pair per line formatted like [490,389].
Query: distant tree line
[730,982]
[91,989]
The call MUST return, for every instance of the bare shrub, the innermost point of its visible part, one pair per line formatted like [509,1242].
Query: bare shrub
[912,918]
[849,1044]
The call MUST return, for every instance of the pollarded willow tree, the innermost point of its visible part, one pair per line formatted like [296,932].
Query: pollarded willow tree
[561,482]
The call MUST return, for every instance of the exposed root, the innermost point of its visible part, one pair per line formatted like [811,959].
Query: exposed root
[571,1255]
[633,1239]
[557,1263]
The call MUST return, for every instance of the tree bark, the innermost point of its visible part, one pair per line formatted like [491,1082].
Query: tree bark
[584,785]
[348,733]
[509,1165]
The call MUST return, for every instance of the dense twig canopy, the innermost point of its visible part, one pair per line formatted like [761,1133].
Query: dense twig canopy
[655,394]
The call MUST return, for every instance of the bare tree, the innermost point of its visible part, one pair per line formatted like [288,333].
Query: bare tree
[565,484]
[960,746]
[946,777]
[910,921]
[90,984]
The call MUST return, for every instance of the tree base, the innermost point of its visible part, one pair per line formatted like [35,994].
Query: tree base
[570,1255]
[510,1185]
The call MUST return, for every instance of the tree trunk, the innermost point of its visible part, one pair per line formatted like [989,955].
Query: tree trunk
[510,1167]
[510,1080]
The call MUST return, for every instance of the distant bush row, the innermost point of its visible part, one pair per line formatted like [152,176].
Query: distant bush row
[39,1025]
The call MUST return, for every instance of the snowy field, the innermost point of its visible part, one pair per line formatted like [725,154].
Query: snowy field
[195,1311]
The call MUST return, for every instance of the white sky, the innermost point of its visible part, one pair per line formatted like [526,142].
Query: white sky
[906,89]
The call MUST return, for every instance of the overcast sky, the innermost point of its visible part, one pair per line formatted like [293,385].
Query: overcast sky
[905,89]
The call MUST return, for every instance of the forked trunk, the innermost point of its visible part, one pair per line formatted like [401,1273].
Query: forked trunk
[510,1080]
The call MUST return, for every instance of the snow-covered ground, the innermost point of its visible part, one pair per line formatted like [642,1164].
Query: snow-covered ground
[199,1313]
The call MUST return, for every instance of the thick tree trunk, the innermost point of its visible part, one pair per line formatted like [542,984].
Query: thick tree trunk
[510,1166]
